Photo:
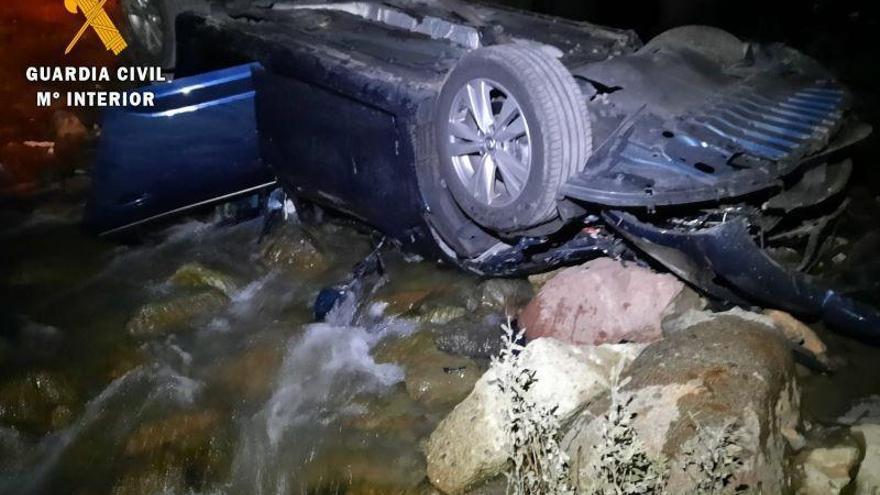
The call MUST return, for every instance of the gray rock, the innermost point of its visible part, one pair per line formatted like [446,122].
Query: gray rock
[475,335]
[470,445]
[432,377]
[722,378]
[507,295]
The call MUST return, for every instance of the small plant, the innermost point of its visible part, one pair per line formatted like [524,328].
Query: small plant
[712,458]
[621,466]
[539,466]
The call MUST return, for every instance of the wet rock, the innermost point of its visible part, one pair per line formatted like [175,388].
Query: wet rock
[183,432]
[396,415]
[722,384]
[37,402]
[539,279]
[196,275]
[402,302]
[476,336]
[506,295]
[158,318]
[441,314]
[292,248]
[470,444]
[376,471]
[121,360]
[434,378]
[251,374]
[799,334]
[198,443]
[826,471]
[605,301]
[868,479]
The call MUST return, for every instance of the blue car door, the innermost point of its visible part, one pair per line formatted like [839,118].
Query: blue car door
[195,146]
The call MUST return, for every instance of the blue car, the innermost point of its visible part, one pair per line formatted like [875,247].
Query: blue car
[500,141]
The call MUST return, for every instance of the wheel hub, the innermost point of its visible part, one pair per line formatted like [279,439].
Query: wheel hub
[489,142]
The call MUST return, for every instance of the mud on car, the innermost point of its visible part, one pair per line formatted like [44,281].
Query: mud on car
[501,141]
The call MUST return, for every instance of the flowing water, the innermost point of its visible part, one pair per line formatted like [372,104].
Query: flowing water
[247,395]
[249,398]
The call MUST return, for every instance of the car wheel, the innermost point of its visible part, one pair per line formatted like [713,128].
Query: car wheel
[715,44]
[512,127]
[150,28]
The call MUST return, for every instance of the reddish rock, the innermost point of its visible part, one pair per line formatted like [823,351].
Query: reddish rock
[605,301]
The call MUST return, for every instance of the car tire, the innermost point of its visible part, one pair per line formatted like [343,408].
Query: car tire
[501,195]
[713,43]
[150,28]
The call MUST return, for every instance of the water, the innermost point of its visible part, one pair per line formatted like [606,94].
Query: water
[250,398]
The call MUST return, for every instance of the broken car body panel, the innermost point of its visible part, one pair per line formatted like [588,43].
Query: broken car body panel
[725,262]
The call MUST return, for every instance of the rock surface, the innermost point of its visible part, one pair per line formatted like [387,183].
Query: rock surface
[476,335]
[37,401]
[868,479]
[798,333]
[295,249]
[196,275]
[724,378]
[605,301]
[251,374]
[433,378]
[470,444]
[506,295]
[158,318]
[826,471]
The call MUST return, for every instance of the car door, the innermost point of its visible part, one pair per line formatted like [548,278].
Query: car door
[197,145]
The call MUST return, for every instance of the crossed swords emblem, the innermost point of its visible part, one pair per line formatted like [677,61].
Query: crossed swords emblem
[97,19]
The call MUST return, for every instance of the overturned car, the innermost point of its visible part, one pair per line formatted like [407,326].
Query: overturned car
[501,141]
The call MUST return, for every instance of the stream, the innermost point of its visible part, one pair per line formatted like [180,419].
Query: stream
[189,363]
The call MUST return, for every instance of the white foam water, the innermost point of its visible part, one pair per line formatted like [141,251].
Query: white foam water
[323,371]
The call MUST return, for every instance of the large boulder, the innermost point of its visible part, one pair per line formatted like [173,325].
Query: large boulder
[605,301]
[471,445]
[718,392]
